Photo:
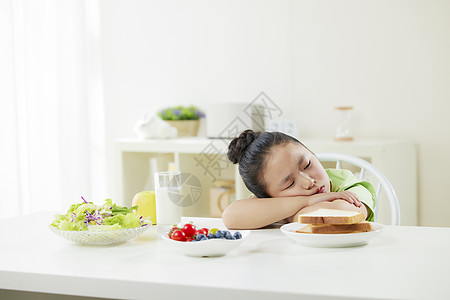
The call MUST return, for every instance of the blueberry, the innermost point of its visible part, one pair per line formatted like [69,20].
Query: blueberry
[199,237]
[237,235]
[211,236]
[203,238]
[219,234]
[228,235]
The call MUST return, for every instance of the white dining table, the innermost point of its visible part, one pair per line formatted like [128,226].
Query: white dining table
[402,262]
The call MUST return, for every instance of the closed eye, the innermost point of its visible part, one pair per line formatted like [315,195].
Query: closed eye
[308,165]
[291,185]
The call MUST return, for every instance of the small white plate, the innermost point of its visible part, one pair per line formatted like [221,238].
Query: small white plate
[211,247]
[330,240]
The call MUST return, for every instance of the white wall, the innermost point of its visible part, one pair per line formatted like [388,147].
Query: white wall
[161,53]
[387,58]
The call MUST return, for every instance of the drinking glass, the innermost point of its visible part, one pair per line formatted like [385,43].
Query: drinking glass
[168,200]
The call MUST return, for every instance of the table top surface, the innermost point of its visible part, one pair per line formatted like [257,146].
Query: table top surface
[402,262]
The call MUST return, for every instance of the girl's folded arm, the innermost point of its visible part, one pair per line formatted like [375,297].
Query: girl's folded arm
[252,213]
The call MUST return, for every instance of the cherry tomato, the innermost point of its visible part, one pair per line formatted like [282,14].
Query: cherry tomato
[189,229]
[178,235]
[201,231]
[173,229]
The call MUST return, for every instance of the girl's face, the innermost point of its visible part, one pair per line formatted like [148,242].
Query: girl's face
[292,170]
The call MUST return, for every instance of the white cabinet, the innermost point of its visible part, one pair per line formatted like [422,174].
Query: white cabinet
[206,159]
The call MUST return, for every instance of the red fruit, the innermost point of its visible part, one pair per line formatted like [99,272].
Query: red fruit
[201,231]
[189,229]
[173,229]
[178,235]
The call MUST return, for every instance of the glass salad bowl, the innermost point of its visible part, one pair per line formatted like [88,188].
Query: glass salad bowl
[87,223]
[100,237]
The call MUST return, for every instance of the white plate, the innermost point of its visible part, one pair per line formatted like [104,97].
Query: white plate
[100,237]
[211,247]
[329,240]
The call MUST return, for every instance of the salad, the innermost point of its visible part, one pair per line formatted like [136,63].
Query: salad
[89,216]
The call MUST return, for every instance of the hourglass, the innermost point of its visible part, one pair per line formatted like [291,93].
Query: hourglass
[344,116]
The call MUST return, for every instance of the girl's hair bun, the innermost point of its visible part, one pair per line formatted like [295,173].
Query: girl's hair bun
[238,146]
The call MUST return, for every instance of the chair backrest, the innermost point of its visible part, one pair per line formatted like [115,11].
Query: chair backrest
[368,170]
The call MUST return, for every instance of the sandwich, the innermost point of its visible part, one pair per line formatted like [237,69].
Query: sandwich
[333,221]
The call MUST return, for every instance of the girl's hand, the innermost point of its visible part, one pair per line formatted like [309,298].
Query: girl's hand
[350,198]
[345,195]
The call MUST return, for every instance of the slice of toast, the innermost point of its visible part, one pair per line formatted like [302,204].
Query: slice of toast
[331,216]
[340,228]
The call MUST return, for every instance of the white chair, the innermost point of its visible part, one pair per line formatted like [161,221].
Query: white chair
[367,170]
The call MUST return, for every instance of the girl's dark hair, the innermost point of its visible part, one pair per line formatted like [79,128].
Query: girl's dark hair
[249,150]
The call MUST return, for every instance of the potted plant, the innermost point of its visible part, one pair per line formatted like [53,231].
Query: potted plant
[185,118]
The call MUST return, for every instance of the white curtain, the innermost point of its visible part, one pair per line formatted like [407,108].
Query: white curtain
[51,106]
